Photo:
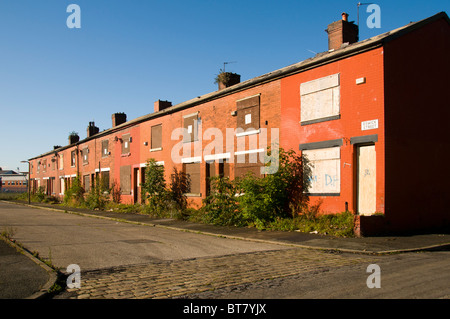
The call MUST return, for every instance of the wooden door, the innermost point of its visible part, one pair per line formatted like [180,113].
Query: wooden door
[366,181]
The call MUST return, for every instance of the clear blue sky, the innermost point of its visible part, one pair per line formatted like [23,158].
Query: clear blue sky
[128,54]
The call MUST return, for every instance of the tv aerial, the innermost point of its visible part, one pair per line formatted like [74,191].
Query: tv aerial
[225,63]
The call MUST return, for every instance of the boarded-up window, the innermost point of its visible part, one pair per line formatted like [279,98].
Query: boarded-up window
[247,164]
[105,148]
[126,139]
[87,184]
[125,179]
[248,113]
[105,179]
[325,170]
[190,124]
[193,171]
[61,161]
[85,155]
[320,99]
[44,164]
[156,137]
[73,158]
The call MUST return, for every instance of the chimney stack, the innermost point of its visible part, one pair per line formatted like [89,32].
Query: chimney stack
[118,118]
[161,105]
[227,79]
[342,31]
[92,129]
[73,138]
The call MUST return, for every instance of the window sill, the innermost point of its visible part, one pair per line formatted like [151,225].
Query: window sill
[126,154]
[193,194]
[323,119]
[248,133]
[156,149]
[324,194]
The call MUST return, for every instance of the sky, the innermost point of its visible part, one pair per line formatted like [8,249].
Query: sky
[127,54]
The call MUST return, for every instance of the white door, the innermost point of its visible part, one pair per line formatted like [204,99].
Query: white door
[367,181]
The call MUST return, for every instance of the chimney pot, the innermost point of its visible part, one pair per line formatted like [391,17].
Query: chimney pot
[344,16]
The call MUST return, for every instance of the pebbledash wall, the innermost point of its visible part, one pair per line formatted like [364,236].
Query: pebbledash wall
[370,115]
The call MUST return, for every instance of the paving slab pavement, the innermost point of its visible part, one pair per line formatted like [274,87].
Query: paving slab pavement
[365,245]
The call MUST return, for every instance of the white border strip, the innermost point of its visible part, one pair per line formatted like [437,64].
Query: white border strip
[196,159]
[249,152]
[157,163]
[248,133]
[214,157]
[248,97]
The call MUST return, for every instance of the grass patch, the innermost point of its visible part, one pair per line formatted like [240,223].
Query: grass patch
[340,225]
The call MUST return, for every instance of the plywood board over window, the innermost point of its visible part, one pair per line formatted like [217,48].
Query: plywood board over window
[190,124]
[125,179]
[156,141]
[193,171]
[105,148]
[320,99]
[126,139]
[248,113]
[85,154]
[325,171]
[61,161]
[105,179]
[86,182]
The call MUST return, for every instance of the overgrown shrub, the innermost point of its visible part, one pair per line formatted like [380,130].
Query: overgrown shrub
[75,194]
[180,184]
[221,206]
[98,195]
[281,193]
[116,192]
[153,190]
[40,194]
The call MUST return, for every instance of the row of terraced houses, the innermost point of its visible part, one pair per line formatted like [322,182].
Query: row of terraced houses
[372,117]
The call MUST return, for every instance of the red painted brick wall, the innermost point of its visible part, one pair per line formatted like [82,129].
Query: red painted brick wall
[358,103]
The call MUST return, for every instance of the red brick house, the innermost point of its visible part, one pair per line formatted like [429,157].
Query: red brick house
[370,115]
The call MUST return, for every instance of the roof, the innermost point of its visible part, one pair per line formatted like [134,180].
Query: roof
[316,61]
[9,173]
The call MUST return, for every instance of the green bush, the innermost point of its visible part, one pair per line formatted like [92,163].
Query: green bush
[161,200]
[221,206]
[75,194]
[180,184]
[280,194]
[98,195]
[154,191]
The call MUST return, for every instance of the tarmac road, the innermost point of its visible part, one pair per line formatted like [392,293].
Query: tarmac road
[91,243]
[174,259]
